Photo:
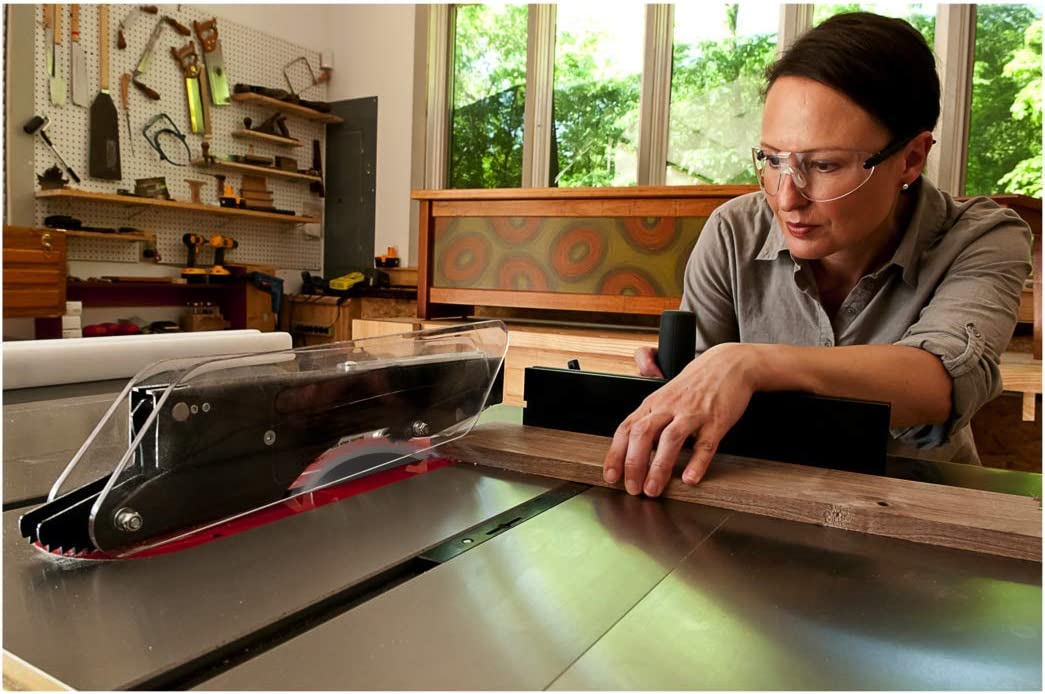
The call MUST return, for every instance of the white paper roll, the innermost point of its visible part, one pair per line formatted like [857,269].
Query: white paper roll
[36,363]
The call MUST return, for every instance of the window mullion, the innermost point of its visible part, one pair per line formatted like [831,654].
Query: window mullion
[955,49]
[795,20]
[537,115]
[440,86]
[655,103]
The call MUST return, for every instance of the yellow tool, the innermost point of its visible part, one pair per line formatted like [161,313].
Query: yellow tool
[221,244]
[346,281]
[194,242]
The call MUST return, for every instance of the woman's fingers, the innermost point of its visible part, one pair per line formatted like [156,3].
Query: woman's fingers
[708,439]
[646,360]
[640,445]
[668,447]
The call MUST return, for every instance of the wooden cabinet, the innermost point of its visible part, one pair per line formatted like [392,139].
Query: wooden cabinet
[34,272]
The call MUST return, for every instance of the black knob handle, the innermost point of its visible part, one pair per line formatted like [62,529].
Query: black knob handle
[677,343]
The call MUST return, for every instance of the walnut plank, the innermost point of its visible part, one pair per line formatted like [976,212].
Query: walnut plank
[966,519]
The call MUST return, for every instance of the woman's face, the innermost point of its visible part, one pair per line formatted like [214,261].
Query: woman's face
[802,115]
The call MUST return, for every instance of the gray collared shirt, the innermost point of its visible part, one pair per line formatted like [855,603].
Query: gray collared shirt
[951,288]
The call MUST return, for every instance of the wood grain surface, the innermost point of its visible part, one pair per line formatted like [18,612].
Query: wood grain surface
[965,519]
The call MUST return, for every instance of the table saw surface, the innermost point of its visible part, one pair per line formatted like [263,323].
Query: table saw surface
[591,590]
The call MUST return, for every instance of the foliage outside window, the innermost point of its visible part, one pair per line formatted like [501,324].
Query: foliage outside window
[488,99]
[1005,126]
[922,16]
[719,56]
[595,100]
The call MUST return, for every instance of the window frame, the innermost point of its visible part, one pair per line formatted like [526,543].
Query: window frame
[954,48]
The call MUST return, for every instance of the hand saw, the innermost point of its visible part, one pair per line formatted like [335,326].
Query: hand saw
[211,440]
[189,62]
[207,33]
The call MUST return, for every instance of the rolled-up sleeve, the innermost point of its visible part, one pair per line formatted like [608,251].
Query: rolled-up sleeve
[969,321]
[708,285]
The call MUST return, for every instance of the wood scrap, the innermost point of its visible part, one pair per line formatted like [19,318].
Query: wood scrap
[967,519]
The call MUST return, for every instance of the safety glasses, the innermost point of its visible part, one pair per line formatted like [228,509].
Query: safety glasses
[821,175]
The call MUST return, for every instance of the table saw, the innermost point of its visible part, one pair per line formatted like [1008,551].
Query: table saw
[457,575]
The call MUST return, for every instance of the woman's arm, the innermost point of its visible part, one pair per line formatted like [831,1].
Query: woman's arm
[711,394]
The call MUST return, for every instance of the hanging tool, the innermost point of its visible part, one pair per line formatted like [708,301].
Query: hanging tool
[207,33]
[221,244]
[37,125]
[317,170]
[129,20]
[104,159]
[49,50]
[77,70]
[189,62]
[145,60]
[194,242]
[125,80]
[57,81]
[163,136]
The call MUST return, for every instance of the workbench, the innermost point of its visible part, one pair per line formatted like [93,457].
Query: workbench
[467,577]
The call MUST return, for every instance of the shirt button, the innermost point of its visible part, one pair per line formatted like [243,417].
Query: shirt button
[851,310]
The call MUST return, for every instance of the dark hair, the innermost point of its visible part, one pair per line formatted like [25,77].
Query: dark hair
[882,64]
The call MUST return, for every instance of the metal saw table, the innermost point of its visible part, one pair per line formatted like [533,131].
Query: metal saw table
[470,578]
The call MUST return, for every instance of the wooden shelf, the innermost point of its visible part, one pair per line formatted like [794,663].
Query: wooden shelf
[284,107]
[266,137]
[253,169]
[131,201]
[144,236]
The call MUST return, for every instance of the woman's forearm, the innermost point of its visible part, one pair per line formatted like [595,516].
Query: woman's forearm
[912,380]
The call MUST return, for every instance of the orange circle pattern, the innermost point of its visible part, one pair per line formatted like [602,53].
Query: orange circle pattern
[521,272]
[628,282]
[465,259]
[577,252]
[516,230]
[650,234]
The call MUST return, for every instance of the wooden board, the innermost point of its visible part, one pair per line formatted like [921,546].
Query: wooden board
[965,519]
[284,107]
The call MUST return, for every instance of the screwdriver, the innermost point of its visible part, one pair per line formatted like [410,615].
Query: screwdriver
[125,80]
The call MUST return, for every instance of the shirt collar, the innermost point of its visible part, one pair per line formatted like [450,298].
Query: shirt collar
[926,221]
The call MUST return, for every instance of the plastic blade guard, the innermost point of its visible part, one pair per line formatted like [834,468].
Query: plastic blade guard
[200,442]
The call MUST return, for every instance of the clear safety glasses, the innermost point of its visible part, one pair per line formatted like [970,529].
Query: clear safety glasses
[820,175]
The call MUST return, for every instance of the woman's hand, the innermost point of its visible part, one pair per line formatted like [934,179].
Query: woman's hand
[646,359]
[704,401]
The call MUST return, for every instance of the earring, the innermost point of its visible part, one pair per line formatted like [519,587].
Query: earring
[906,186]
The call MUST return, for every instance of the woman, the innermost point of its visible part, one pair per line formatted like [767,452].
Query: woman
[848,274]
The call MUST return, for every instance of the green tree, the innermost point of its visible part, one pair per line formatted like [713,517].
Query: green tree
[1004,133]
[489,67]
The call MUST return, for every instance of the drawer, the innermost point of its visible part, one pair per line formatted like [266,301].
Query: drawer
[34,272]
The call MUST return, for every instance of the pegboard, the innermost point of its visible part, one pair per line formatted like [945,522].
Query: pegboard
[252,57]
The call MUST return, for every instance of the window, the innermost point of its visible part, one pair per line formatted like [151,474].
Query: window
[595,102]
[1005,124]
[489,85]
[719,56]
[922,16]
[699,107]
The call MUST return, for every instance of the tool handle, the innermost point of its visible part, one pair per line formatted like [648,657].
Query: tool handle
[125,80]
[177,26]
[48,16]
[207,33]
[103,47]
[677,342]
[57,24]
[69,169]
[147,90]
[74,23]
